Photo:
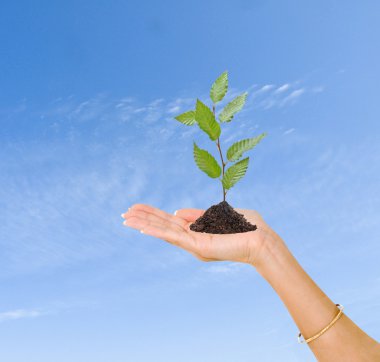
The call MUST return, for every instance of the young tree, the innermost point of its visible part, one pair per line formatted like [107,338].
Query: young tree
[210,123]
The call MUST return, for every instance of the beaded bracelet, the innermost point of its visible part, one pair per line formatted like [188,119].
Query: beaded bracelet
[340,307]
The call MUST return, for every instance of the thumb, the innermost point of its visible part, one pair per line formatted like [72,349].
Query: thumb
[189,214]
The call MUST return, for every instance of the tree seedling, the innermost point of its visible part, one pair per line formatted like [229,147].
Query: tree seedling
[209,122]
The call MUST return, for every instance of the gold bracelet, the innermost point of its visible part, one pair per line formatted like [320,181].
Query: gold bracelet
[340,307]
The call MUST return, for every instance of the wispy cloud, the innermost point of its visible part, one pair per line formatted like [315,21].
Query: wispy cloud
[49,308]
[179,104]
[292,97]
[225,269]
[272,96]
[289,131]
[282,88]
[264,89]
[20,314]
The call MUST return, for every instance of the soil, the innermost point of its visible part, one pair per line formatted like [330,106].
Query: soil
[222,219]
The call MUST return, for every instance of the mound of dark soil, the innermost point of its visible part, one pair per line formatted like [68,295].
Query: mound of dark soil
[222,219]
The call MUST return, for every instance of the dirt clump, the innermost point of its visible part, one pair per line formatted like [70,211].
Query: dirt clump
[222,219]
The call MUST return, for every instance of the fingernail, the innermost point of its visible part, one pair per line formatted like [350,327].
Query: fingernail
[175,212]
[129,208]
[141,231]
[122,215]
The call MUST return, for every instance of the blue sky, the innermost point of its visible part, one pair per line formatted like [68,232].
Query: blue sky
[88,93]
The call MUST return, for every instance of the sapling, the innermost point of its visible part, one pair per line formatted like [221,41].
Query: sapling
[209,122]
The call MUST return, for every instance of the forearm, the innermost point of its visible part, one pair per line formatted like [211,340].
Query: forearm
[312,310]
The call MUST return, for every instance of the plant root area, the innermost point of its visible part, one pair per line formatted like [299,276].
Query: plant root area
[222,219]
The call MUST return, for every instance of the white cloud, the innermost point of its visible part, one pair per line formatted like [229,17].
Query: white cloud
[292,97]
[139,110]
[288,131]
[156,102]
[271,96]
[226,268]
[174,109]
[282,88]
[265,88]
[19,314]
[125,102]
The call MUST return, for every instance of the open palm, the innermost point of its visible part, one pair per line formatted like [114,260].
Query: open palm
[242,247]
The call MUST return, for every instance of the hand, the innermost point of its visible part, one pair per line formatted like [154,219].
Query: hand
[309,307]
[249,247]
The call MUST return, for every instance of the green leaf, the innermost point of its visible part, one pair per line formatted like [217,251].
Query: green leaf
[232,108]
[206,162]
[235,173]
[238,148]
[219,88]
[187,118]
[206,120]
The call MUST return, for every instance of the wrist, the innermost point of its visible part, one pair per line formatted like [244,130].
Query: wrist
[273,256]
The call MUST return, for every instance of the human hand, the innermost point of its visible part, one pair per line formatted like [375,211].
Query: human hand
[249,247]
[265,250]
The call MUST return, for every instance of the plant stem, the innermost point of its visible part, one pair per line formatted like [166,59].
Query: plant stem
[223,164]
[221,157]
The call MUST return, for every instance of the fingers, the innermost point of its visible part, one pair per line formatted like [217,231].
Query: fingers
[156,226]
[189,214]
[175,237]
[146,216]
[157,212]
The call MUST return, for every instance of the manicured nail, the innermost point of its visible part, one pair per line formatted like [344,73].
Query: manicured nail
[122,215]
[141,231]
[175,212]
